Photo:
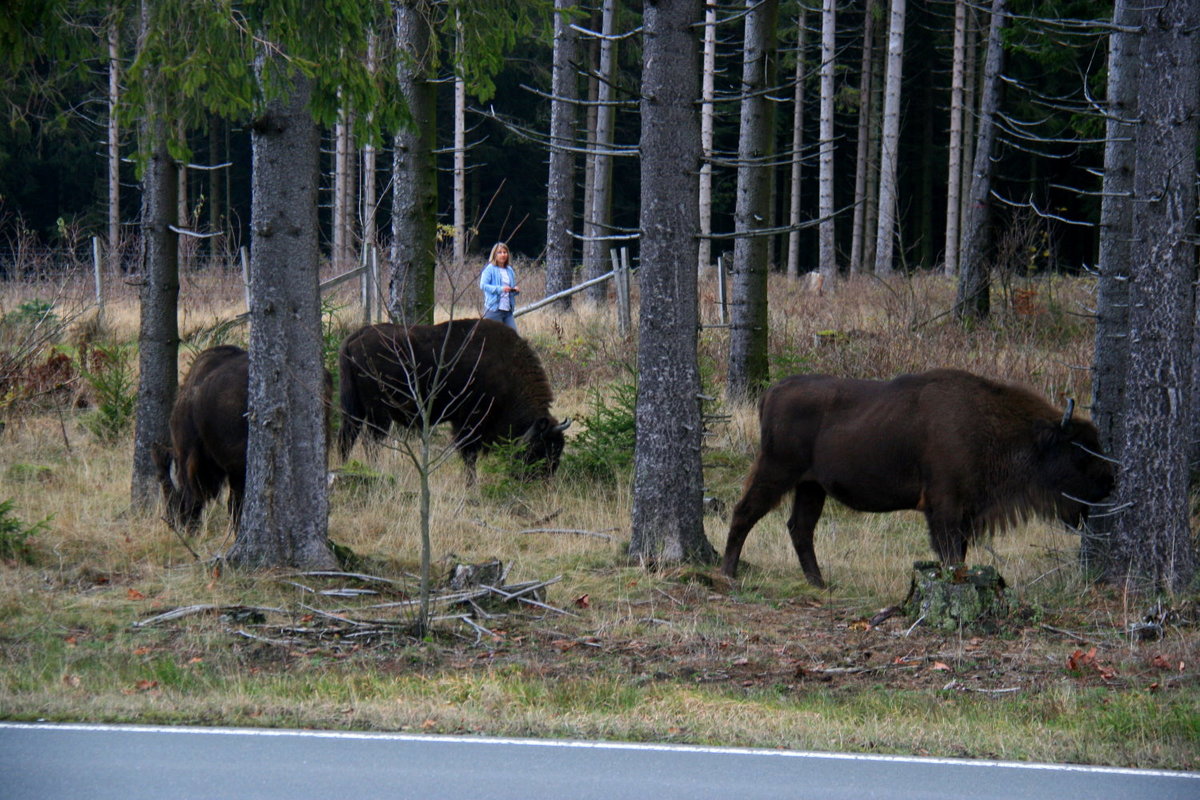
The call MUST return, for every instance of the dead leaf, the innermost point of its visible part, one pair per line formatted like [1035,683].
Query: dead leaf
[146,685]
[938,665]
[134,594]
[429,724]
[1161,662]
[583,601]
[141,651]
[71,680]
[1079,659]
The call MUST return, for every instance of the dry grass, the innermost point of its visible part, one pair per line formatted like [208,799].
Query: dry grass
[676,656]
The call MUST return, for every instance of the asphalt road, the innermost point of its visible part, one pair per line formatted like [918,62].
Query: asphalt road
[124,762]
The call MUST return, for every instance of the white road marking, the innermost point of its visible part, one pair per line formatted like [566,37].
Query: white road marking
[597,745]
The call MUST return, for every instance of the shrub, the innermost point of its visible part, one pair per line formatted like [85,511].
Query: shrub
[15,534]
[108,370]
[603,450]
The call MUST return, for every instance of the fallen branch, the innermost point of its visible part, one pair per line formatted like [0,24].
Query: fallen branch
[1077,637]
[266,640]
[572,531]
[187,611]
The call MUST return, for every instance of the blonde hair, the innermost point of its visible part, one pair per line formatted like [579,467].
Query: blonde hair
[497,246]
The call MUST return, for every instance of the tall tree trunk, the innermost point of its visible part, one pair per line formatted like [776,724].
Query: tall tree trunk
[460,163]
[874,145]
[1111,359]
[114,148]
[343,190]
[560,188]
[590,121]
[971,81]
[827,241]
[285,519]
[367,198]
[862,165]
[1154,549]
[410,297]
[954,171]
[707,116]
[800,75]
[748,366]
[974,281]
[216,176]
[595,250]
[885,234]
[668,524]
[158,334]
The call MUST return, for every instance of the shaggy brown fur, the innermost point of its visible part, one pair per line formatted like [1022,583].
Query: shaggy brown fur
[476,374]
[972,453]
[208,437]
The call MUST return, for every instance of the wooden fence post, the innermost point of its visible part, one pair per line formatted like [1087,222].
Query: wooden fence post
[245,254]
[722,302]
[96,272]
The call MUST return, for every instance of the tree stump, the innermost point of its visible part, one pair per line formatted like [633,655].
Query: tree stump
[948,598]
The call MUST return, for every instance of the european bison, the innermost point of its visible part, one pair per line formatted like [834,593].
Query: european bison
[476,374]
[208,437]
[973,454]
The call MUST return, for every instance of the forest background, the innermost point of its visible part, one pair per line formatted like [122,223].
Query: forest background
[1046,205]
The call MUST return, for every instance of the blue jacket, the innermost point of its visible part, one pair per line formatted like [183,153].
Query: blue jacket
[492,284]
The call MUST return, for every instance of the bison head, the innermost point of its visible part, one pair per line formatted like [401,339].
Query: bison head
[544,442]
[183,508]
[1072,467]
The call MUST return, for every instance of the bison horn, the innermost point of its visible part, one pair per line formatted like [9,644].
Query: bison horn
[1070,410]
[562,426]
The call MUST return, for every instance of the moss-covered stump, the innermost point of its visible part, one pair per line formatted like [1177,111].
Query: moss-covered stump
[948,598]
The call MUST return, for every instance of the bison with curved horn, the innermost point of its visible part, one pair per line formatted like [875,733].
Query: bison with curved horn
[973,454]
[476,374]
[208,436]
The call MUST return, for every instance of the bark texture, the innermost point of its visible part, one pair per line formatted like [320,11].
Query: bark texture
[560,186]
[285,519]
[1153,546]
[827,253]
[973,300]
[748,365]
[158,334]
[598,225]
[668,524]
[885,235]
[410,296]
[1111,361]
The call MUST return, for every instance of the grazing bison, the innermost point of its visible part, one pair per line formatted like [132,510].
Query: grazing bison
[476,374]
[972,453]
[208,436]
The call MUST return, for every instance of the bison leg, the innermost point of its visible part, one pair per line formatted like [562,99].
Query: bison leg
[347,434]
[237,497]
[948,534]
[807,505]
[761,494]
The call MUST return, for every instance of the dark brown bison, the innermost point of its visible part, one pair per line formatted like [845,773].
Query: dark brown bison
[208,436]
[476,374]
[972,453]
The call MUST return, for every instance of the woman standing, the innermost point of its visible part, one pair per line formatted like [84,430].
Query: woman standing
[499,285]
